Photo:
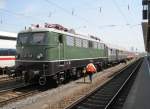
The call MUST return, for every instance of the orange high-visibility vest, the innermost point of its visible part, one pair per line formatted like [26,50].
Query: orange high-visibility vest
[90,68]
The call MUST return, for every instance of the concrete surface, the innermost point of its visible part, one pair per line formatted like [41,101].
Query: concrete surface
[139,96]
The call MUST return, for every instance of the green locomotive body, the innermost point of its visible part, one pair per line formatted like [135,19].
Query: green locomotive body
[45,53]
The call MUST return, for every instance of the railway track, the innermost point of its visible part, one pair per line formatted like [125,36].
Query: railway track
[4,79]
[17,93]
[10,84]
[112,95]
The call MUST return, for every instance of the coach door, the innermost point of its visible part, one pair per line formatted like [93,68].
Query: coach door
[61,47]
[117,52]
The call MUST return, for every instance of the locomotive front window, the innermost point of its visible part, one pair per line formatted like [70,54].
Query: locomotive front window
[32,38]
[23,38]
[38,38]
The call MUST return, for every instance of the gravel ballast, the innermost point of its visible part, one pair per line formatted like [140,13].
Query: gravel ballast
[62,96]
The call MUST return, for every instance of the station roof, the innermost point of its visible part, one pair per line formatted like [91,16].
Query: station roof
[8,35]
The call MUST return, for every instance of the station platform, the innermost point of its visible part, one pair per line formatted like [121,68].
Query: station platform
[139,95]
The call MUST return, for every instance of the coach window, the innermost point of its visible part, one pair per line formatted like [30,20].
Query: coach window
[118,52]
[99,46]
[70,40]
[111,51]
[102,46]
[78,42]
[114,51]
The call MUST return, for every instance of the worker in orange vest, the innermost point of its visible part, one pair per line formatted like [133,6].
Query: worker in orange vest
[90,70]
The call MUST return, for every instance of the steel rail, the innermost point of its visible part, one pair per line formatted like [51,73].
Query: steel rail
[134,70]
[20,88]
[77,102]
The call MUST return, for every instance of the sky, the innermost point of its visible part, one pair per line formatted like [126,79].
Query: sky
[117,22]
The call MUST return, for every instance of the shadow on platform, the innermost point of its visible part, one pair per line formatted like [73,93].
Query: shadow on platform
[82,82]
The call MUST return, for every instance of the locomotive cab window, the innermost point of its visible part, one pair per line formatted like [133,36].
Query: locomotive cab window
[23,38]
[32,38]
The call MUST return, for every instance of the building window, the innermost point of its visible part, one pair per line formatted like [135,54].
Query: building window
[85,43]
[78,42]
[70,40]
[102,46]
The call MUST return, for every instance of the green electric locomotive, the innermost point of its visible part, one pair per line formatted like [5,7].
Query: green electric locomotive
[48,53]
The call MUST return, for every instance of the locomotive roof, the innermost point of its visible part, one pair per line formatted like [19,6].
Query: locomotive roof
[111,46]
[71,34]
[61,32]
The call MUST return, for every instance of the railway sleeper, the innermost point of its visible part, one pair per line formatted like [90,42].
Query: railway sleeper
[98,100]
[92,106]
[102,95]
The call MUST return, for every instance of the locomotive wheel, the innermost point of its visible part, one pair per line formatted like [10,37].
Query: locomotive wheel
[42,81]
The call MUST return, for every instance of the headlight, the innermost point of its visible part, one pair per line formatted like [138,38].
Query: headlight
[39,56]
[36,72]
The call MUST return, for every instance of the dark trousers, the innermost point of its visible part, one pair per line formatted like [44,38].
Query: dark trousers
[90,76]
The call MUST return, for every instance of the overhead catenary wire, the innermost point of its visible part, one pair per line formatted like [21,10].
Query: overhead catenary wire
[50,14]
[14,13]
[120,11]
[66,11]
[122,14]
[71,12]
[19,14]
